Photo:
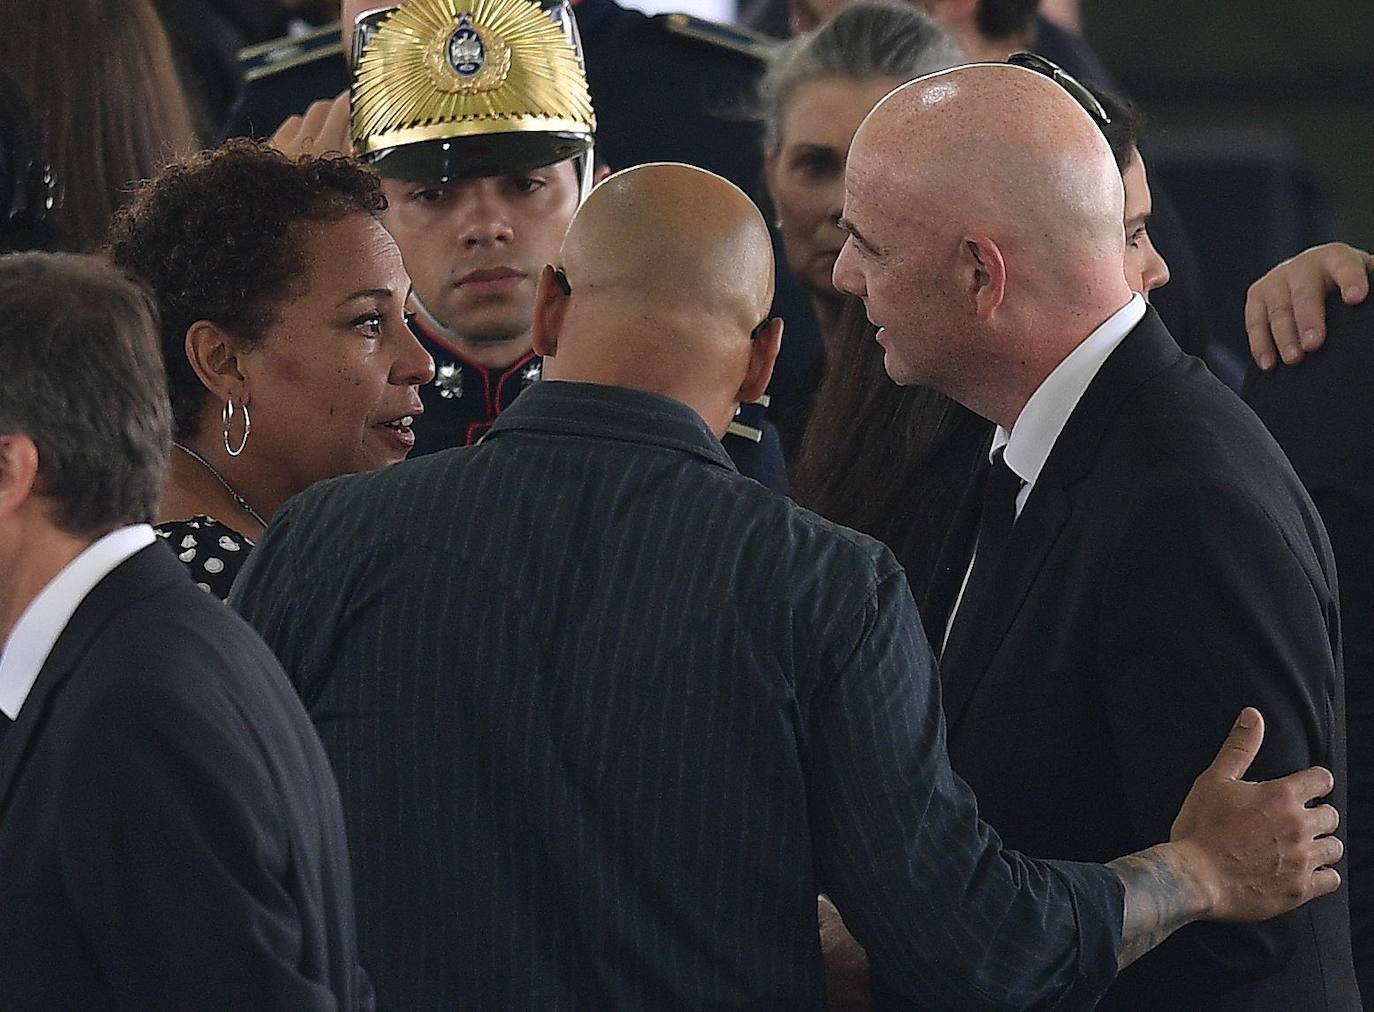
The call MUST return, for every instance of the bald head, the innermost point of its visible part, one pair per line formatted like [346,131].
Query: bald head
[670,269]
[985,212]
[1002,149]
[671,236]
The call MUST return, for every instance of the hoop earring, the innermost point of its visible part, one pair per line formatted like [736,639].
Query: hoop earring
[247,428]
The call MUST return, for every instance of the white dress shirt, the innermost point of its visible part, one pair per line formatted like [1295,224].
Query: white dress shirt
[34,635]
[1037,427]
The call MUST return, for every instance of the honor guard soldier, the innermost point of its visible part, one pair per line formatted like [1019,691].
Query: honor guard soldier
[677,89]
[478,116]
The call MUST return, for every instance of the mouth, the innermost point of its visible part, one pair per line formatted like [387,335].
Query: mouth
[492,280]
[400,430]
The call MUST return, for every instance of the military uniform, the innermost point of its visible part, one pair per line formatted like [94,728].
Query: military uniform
[665,88]
[466,397]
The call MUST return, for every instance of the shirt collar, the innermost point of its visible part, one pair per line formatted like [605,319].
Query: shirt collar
[1036,429]
[36,633]
[612,413]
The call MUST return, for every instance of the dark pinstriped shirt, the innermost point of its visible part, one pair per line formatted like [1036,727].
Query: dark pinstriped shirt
[605,716]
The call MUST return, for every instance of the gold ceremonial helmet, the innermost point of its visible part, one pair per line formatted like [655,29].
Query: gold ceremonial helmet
[447,89]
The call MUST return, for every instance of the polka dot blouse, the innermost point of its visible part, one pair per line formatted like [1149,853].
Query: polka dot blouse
[211,552]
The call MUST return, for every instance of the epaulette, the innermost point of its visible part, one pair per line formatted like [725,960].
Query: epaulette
[732,37]
[268,58]
[745,414]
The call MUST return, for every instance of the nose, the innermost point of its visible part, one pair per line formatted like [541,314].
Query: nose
[412,365]
[486,218]
[845,276]
[1156,272]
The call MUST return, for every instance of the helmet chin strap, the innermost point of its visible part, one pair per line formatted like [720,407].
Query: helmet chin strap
[432,323]
[585,164]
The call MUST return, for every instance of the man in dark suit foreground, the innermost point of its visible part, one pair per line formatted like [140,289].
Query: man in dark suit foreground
[1146,561]
[607,715]
[170,832]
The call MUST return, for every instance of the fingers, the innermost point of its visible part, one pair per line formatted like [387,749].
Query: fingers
[1327,851]
[1323,820]
[1309,316]
[1285,311]
[334,131]
[1309,784]
[1241,746]
[322,129]
[1351,275]
[1325,881]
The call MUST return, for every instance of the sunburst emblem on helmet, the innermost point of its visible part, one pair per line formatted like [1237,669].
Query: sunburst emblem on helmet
[453,68]
[471,59]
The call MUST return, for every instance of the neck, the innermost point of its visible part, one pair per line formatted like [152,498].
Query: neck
[489,354]
[192,487]
[44,551]
[1034,354]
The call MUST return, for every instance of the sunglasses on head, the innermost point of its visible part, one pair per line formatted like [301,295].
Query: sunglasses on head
[1065,80]
[565,286]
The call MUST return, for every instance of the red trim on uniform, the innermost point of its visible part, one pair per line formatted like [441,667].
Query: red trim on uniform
[459,354]
[501,383]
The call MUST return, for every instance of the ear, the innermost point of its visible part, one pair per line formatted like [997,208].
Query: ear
[599,173]
[549,306]
[763,354]
[214,355]
[18,471]
[986,283]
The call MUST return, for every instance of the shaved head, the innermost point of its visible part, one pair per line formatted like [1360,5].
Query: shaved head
[984,210]
[1000,148]
[671,271]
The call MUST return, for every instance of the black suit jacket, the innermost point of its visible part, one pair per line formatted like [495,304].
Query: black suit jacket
[1166,570]
[170,830]
[1322,414]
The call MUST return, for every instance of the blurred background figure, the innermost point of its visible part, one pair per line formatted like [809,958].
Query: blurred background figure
[287,352]
[817,89]
[110,106]
[28,183]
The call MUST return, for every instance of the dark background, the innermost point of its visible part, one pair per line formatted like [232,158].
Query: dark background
[1302,70]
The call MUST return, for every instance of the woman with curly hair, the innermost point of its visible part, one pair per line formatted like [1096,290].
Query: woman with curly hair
[283,304]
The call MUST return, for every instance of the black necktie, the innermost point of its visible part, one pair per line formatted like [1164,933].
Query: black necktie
[994,531]
[997,517]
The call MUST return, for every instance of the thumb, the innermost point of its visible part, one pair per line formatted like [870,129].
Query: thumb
[1241,746]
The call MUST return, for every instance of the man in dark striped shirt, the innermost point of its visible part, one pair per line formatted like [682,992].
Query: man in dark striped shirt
[606,716]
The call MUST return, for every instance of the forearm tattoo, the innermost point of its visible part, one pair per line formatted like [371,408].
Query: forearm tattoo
[1160,899]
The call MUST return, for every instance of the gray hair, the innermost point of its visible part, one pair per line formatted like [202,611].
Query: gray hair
[81,375]
[867,40]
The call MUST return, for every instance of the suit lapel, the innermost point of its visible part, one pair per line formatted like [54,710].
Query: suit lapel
[982,625]
[955,551]
[145,572]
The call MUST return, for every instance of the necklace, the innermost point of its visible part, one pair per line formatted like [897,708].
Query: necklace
[239,500]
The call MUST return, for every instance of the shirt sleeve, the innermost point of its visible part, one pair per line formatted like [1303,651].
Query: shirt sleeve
[949,918]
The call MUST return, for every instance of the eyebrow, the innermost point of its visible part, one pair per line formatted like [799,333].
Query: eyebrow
[369,293]
[858,236]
